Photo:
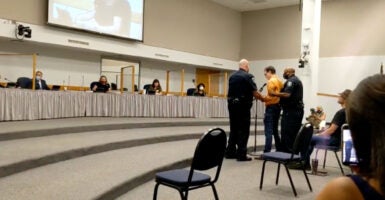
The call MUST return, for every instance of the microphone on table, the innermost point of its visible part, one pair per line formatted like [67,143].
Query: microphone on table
[261,89]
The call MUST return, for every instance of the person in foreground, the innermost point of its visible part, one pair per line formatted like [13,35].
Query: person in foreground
[242,88]
[365,113]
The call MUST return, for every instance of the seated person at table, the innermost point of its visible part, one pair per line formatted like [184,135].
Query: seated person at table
[40,84]
[102,85]
[155,88]
[200,90]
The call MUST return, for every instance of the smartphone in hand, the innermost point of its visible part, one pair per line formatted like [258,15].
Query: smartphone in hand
[348,152]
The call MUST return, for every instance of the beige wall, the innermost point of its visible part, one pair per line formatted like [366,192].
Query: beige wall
[348,28]
[33,12]
[196,26]
[352,28]
[271,34]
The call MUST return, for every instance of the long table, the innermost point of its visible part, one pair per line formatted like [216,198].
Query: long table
[22,104]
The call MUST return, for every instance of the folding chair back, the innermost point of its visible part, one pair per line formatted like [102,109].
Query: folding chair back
[210,150]
[303,139]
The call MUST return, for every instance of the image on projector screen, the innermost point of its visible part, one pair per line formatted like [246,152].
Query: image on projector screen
[123,18]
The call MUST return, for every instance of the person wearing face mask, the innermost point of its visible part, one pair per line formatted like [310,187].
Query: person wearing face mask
[291,101]
[200,91]
[102,85]
[40,84]
[242,89]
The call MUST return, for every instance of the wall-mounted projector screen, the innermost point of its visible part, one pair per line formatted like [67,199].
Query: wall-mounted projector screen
[121,18]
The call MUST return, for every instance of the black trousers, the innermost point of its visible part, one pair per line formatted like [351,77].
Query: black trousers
[290,124]
[239,128]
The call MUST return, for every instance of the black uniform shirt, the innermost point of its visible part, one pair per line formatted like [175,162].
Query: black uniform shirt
[242,86]
[339,119]
[293,86]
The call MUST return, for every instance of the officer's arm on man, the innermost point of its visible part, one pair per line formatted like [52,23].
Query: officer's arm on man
[281,94]
[287,91]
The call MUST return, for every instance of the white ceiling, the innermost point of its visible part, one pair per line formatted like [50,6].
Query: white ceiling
[248,5]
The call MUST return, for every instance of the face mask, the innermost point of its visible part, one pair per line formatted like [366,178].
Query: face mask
[201,88]
[285,76]
[38,78]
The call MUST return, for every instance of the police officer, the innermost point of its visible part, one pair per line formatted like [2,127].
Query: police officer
[242,88]
[292,108]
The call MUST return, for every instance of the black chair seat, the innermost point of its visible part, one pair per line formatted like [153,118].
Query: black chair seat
[180,177]
[280,156]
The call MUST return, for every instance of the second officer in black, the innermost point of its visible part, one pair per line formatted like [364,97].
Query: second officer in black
[291,102]
[242,89]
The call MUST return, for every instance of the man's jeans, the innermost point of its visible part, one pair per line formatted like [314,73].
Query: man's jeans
[272,113]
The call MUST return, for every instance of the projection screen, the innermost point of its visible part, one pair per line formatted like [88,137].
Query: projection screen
[120,18]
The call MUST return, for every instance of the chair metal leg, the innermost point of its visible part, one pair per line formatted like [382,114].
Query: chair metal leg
[291,181]
[326,151]
[339,163]
[277,177]
[182,196]
[186,195]
[155,191]
[214,191]
[307,179]
[262,174]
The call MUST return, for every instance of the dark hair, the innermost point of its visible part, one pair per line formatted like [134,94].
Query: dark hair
[200,84]
[270,69]
[366,117]
[155,81]
[102,76]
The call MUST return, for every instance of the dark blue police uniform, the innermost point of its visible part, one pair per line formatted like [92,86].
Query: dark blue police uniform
[292,112]
[240,101]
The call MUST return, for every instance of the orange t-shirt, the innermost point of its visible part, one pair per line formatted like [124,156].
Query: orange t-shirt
[274,84]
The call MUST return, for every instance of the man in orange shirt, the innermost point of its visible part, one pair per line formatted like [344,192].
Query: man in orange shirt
[273,109]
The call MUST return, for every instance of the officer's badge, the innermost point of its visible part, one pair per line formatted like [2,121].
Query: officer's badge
[289,84]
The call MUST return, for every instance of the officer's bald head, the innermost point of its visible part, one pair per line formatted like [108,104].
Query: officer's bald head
[244,64]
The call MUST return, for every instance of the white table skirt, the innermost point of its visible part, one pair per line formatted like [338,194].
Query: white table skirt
[19,104]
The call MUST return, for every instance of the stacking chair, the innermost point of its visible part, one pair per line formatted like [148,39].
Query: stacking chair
[301,144]
[209,154]
[24,82]
[190,92]
[145,87]
[335,149]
